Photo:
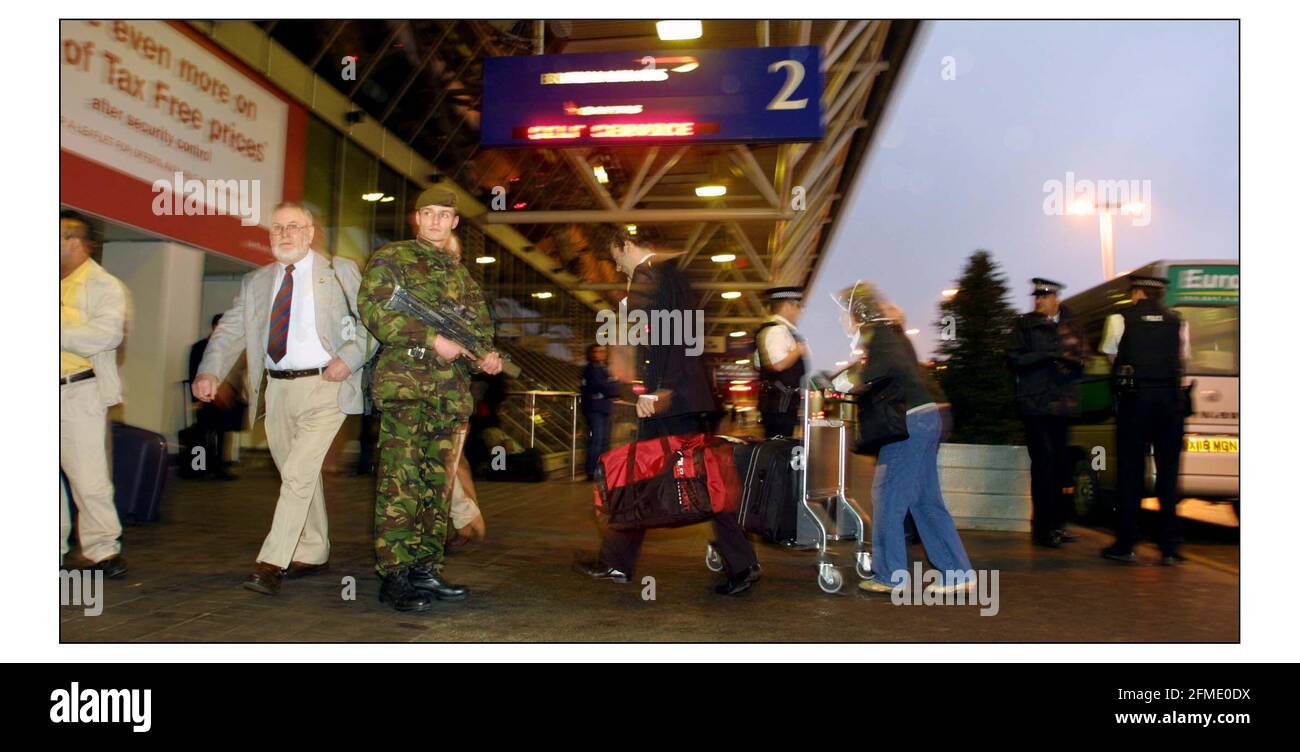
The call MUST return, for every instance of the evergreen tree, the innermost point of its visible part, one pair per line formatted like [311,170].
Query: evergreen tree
[973,328]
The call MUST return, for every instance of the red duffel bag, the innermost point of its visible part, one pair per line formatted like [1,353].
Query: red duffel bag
[666,482]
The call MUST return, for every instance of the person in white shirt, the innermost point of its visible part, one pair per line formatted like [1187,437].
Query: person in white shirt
[296,319]
[93,307]
[780,353]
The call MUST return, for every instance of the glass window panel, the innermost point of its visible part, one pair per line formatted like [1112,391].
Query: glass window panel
[356,214]
[321,173]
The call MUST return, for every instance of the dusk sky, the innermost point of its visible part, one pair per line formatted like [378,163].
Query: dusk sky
[961,164]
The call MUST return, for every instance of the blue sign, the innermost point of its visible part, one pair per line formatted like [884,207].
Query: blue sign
[680,96]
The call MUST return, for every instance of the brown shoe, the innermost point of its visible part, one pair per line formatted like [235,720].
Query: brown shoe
[301,569]
[265,579]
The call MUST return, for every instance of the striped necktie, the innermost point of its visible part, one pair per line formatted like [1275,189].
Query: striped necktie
[278,341]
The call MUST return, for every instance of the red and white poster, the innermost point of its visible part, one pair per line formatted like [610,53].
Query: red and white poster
[162,130]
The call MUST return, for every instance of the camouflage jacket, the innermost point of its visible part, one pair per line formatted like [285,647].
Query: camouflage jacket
[433,277]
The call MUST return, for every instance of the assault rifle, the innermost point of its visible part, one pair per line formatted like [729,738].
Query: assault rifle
[453,321]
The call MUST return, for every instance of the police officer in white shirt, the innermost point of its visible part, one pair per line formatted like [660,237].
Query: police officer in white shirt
[1148,345]
[780,356]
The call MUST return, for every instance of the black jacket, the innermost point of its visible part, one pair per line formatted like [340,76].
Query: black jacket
[1046,361]
[597,390]
[657,285]
[890,354]
[1152,343]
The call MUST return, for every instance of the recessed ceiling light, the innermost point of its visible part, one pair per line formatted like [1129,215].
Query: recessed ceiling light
[542,295]
[485,260]
[675,30]
[723,258]
[711,191]
[602,177]
[730,295]
[743,362]
[739,334]
[372,196]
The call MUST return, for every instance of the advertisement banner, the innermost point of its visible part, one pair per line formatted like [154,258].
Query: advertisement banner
[161,130]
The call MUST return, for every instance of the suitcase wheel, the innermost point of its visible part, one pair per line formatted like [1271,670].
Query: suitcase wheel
[829,578]
[863,564]
[713,559]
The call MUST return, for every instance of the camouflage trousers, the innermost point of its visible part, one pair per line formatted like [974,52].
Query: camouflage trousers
[417,452]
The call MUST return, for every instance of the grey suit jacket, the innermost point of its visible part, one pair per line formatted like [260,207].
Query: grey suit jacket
[244,328]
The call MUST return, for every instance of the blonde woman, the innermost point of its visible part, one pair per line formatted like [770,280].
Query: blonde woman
[907,471]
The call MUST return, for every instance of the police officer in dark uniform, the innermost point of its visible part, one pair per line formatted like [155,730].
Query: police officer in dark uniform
[1046,362]
[780,352]
[1147,343]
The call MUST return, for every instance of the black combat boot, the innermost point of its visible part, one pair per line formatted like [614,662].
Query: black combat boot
[426,580]
[396,590]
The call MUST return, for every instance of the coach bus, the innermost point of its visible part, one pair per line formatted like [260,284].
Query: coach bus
[1207,295]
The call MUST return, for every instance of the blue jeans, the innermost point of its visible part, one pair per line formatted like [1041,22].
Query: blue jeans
[597,439]
[907,480]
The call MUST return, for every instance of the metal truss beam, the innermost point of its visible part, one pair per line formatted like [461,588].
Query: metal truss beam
[638,216]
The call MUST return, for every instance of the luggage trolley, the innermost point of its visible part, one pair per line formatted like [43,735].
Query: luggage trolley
[826,513]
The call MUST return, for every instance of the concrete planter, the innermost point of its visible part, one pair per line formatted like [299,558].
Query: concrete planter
[986,487]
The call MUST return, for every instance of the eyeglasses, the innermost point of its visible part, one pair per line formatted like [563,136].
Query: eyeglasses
[290,229]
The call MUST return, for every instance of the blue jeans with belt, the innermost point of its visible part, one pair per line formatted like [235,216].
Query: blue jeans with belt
[907,480]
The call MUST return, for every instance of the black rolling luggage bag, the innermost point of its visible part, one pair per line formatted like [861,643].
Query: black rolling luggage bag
[139,472]
[771,488]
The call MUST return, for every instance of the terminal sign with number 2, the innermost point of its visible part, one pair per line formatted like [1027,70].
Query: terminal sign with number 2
[740,95]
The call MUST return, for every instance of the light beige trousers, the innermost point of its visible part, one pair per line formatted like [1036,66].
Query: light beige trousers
[464,507]
[83,457]
[302,418]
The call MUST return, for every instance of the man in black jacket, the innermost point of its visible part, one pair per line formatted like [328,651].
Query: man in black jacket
[1046,361]
[676,398]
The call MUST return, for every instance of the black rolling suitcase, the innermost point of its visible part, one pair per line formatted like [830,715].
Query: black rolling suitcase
[772,487]
[139,472]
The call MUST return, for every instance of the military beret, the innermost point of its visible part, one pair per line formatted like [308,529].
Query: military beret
[1045,286]
[435,195]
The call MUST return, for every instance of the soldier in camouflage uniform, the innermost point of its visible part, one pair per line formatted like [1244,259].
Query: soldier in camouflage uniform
[421,385]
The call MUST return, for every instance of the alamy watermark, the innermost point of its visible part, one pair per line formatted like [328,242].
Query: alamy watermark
[655,327]
[77,705]
[82,587]
[1130,197]
[193,198]
[947,588]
